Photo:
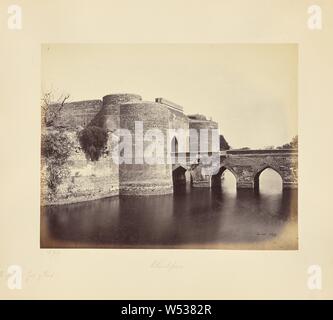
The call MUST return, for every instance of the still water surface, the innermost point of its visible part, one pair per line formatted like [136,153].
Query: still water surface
[190,218]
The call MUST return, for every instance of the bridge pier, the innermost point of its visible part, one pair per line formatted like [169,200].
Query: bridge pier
[289,185]
[245,185]
[241,184]
[203,182]
[246,166]
[254,184]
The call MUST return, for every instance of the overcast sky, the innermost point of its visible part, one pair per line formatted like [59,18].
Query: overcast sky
[250,90]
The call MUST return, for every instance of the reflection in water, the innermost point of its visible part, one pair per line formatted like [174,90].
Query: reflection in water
[190,218]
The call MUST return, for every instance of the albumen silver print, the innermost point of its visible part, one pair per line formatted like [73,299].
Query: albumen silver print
[169,146]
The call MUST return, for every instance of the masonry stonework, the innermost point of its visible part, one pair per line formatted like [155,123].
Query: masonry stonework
[247,166]
[97,179]
[88,180]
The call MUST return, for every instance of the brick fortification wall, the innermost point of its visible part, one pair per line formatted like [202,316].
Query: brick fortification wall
[178,120]
[109,115]
[199,122]
[76,114]
[145,178]
[88,179]
[97,179]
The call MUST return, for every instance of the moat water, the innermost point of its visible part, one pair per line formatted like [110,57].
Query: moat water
[190,218]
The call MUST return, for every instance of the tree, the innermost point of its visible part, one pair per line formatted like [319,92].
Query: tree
[224,145]
[291,145]
[93,141]
[51,108]
[56,148]
[294,142]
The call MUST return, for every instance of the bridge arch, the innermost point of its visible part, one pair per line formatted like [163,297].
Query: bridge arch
[256,178]
[247,165]
[216,178]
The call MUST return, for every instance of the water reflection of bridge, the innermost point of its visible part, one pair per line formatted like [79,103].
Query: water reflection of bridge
[206,169]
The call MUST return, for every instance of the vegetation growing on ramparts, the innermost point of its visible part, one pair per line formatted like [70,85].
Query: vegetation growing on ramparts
[93,141]
[55,148]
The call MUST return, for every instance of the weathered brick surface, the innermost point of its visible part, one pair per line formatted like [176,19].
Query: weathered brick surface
[109,115]
[199,124]
[145,178]
[77,114]
[88,179]
[91,180]
[178,120]
[248,165]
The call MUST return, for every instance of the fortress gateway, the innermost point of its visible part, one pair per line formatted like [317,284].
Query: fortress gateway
[102,178]
[86,179]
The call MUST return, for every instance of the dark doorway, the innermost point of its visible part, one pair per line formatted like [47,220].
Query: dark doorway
[178,176]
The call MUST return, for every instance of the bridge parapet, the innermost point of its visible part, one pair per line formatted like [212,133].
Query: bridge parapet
[249,164]
[246,165]
[262,152]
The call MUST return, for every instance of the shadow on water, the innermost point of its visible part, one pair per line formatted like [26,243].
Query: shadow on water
[190,217]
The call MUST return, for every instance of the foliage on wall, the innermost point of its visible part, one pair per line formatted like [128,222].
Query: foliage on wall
[55,148]
[93,141]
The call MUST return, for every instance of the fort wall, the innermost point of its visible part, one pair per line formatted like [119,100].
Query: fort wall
[76,114]
[144,178]
[88,179]
[198,123]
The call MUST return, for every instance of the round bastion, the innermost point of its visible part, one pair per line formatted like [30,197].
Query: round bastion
[110,110]
[140,176]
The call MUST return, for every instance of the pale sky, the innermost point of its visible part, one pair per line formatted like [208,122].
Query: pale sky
[249,89]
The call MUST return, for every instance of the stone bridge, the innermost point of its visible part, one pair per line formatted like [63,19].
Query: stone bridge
[246,166]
